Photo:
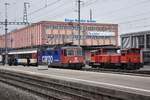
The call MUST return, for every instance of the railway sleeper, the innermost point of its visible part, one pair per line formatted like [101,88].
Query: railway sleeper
[80,90]
[12,83]
[80,93]
[49,91]
[76,92]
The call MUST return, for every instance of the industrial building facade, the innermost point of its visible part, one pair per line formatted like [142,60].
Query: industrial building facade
[52,32]
[138,40]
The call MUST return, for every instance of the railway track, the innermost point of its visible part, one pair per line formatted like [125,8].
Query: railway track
[40,88]
[58,89]
[51,89]
[145,73]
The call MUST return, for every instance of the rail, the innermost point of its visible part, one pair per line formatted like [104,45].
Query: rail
[57,89]
[144,73]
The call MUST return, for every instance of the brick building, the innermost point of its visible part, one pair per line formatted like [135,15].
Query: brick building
[52,32]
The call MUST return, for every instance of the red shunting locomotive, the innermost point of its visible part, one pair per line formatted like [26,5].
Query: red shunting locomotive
[108,58]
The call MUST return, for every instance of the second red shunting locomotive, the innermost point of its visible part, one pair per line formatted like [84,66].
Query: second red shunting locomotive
[126,59]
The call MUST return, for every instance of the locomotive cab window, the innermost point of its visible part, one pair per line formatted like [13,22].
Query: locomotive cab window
[124,52]
[64,52]
[134,51]
[79,52]
[70,52]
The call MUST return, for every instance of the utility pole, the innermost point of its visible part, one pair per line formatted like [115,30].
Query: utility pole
[79,2]
[91,21]
[6,50]
[91,15]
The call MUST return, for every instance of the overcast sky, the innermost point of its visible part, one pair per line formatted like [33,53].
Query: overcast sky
[131,15]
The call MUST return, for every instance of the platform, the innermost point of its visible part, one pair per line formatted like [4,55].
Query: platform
[134,84]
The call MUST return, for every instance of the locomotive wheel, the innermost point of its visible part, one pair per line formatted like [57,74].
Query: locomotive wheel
[131,67]
[113,66]
[138,66]
[78,68]
[107,66]
[123,66]
[102,65]
[94,66]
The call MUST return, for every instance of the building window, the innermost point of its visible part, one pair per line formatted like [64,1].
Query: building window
[84,27]
[141,41]
[148,41]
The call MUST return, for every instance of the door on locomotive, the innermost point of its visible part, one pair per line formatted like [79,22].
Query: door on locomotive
[94,58]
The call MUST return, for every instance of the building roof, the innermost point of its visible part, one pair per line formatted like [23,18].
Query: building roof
[75,23]
[136,33]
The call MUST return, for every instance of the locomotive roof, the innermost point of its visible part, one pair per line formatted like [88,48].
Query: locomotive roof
[132,49]
[71,47]
[65,47]
[23,51]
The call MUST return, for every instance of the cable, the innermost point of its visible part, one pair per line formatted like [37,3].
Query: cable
[89,3]
[53,3]
[56,8]
[137,15]
[42,8]
[64,13]
[140,26]
[71,10]
[141,19]
[127,7]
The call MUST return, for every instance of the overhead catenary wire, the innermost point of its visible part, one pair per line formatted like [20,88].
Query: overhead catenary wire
[60,12]
[137,15]
[89,2]
[135,20]
[63,13]
[137,26]
[55,9]
[47,5]
[68,11]
[42,8]
[110,13]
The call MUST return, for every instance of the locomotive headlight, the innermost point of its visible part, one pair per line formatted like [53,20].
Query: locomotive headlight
[70,61]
